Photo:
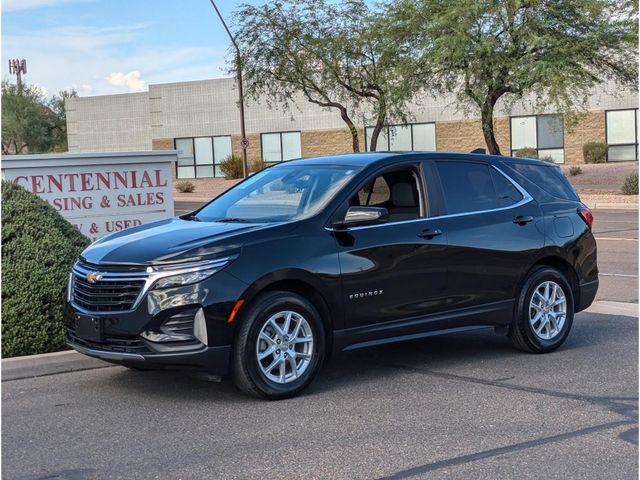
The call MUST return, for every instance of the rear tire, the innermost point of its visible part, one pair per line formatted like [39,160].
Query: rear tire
[279,346]
[544,312]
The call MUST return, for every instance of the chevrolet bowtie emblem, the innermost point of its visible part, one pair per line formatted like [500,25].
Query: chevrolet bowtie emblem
[93,277]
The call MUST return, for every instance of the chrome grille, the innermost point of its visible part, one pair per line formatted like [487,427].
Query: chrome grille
[112,290]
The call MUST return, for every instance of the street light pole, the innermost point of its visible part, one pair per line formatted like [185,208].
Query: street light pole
[244,143]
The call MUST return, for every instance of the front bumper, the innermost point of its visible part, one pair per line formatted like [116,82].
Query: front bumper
[213,360]
[122,338]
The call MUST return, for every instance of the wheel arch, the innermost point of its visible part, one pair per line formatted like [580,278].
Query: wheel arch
[557,261]
[302,283]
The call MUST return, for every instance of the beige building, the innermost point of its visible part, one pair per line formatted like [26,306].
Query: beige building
[200,119]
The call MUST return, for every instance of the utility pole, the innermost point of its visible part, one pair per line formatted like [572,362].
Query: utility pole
[244,143]
[17,68]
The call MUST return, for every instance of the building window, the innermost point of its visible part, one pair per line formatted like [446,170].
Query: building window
[622,135]
[417,136]
[280,146]
[543,133]
[200,157]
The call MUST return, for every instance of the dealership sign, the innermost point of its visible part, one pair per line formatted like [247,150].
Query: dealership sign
[99,193]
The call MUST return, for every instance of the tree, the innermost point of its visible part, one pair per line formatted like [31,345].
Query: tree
[57,105]
[330,53]
[30,122]
[553,51]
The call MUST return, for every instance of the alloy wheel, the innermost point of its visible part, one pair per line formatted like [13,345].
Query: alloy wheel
[547,310]
[284,348]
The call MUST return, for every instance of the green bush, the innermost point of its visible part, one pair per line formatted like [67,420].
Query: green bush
[185,186]
[38,249]
[594,152]
[257,165]
[630,185]
[232,167]
[573,171]
[527,153]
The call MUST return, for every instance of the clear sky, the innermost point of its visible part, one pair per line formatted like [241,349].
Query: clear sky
[115,46]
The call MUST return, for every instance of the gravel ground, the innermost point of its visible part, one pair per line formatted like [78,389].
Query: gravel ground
[603,176]
[592,197]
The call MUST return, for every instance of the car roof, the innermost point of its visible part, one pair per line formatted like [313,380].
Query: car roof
[387,158]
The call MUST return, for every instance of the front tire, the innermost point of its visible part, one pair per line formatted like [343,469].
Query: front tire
[544,312]
[279,347]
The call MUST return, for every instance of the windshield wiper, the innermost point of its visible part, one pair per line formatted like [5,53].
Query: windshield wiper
[234,220]
[191,217]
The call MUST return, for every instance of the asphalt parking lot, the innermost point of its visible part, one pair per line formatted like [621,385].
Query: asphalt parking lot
[460,406]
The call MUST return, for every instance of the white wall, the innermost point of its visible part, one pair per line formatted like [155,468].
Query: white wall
[209,107]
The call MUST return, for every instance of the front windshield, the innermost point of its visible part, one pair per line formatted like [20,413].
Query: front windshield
[281,193]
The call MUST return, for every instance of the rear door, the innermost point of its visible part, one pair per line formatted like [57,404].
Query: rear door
[493,229]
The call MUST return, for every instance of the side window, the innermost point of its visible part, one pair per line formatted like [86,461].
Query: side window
[507,193]
[374,193]
[467,187]
[397,191]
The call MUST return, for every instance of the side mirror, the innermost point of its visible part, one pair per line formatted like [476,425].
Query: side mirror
[362,216]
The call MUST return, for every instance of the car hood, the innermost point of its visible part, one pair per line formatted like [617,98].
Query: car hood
[168,241]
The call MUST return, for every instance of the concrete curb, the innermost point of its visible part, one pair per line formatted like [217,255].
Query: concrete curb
[71,361]
[192,199]
[614,308]
[48,364]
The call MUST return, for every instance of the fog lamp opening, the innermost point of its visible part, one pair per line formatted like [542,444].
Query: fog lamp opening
[200,326]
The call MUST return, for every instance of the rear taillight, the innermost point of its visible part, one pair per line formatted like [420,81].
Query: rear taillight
[586,215]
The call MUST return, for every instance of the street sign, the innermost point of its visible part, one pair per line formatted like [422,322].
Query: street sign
[244,143]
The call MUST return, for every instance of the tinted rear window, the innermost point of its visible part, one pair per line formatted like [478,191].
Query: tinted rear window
[508,194]
[548,178]
[467,187]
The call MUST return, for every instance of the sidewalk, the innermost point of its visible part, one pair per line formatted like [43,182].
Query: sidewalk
[48,364]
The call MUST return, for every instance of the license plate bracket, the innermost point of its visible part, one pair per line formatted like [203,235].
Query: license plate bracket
[89,328]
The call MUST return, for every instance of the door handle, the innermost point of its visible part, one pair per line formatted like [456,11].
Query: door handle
[429,234]
[523,220]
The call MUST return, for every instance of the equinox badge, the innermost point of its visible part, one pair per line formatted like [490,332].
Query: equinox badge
[372,293]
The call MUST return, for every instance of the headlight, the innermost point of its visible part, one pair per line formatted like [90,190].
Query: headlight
[176,275]
[184,279]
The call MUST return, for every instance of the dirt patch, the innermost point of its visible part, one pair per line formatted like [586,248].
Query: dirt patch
[602,177]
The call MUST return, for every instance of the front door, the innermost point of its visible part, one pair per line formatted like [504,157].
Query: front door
[395,269]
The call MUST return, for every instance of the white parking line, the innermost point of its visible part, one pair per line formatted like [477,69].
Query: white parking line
[618,239]
[618,275]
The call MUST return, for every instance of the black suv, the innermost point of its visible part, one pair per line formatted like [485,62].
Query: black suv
[336,253]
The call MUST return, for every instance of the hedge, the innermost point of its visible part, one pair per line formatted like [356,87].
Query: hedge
[232,167]
[38,249]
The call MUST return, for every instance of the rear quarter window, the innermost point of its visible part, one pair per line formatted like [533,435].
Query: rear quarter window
[548,178]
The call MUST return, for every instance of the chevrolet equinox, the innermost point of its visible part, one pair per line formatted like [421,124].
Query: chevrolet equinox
[336,253]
